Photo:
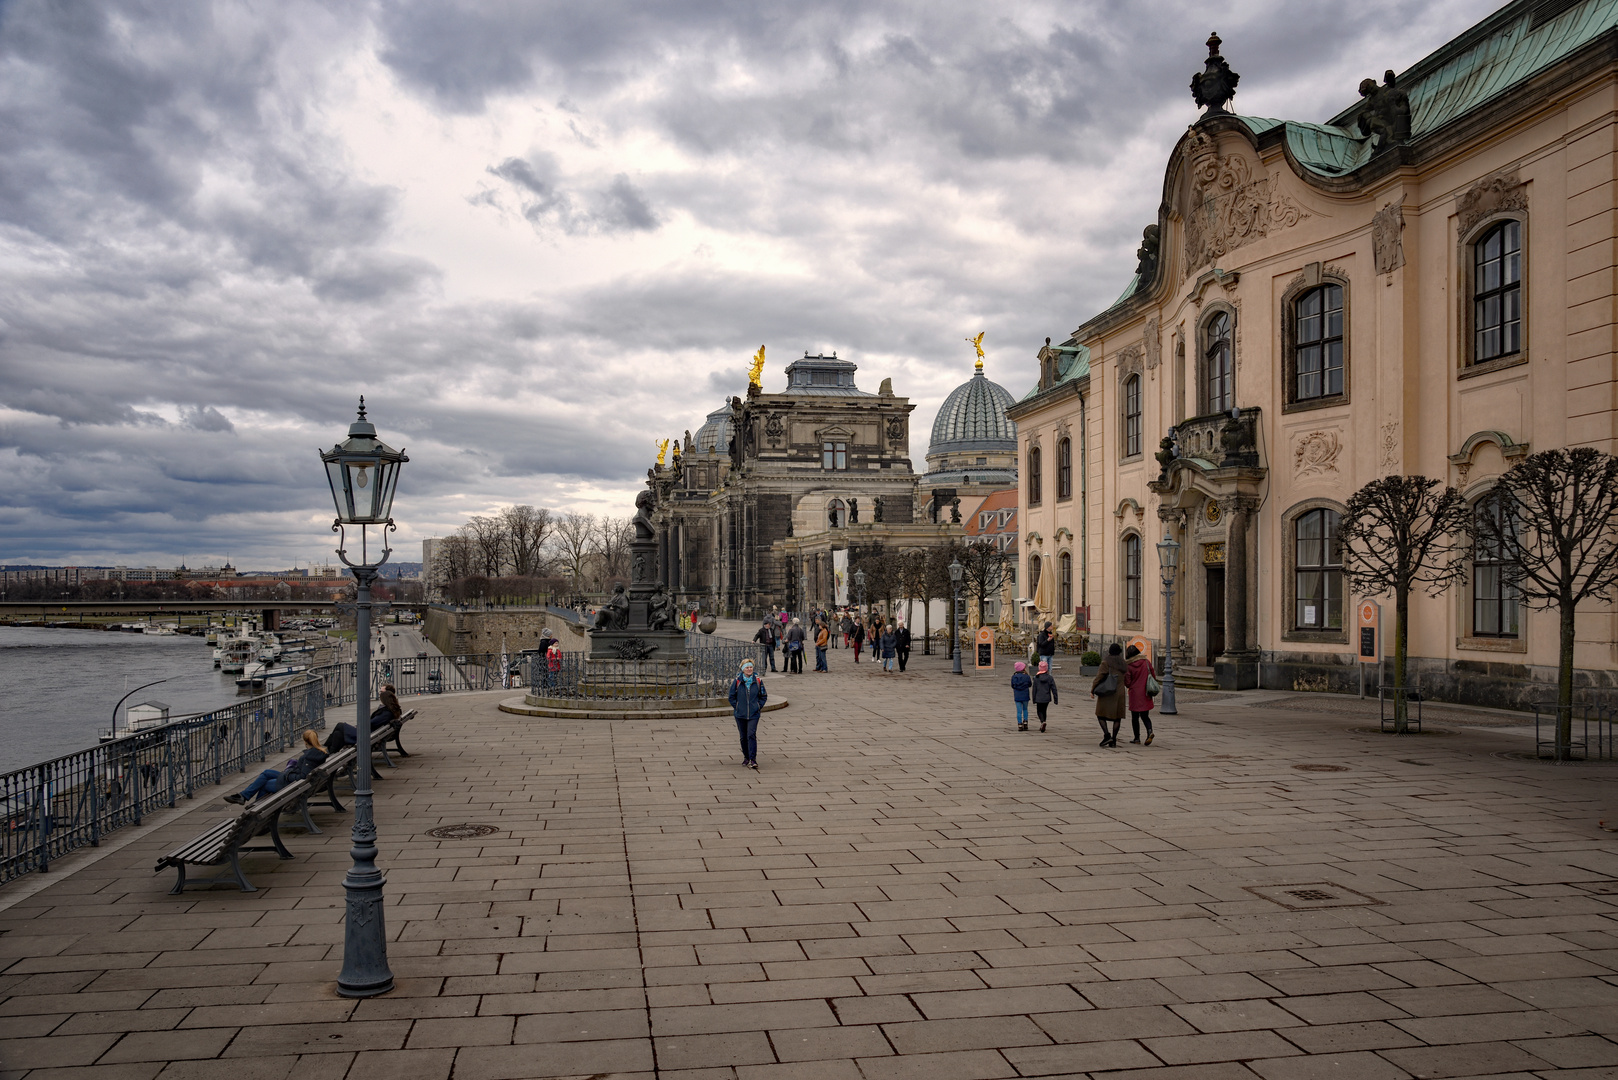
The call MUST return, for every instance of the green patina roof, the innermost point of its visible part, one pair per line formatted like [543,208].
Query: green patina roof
[1074,364]
[1486,61]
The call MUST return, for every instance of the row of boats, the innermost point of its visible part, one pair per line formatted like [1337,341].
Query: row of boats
[257,656]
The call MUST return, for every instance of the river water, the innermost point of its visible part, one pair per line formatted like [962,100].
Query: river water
[58,686]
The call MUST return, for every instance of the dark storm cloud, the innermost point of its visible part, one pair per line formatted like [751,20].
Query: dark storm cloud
[203,269]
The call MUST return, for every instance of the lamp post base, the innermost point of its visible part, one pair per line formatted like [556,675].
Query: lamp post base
[365,950]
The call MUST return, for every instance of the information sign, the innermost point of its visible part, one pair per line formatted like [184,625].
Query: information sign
[1370,624]
[985,650]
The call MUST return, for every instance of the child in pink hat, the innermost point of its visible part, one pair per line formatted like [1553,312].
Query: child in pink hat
[1020,687]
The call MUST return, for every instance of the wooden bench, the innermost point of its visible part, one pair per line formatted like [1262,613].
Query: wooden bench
[391,733]
[322,780]
[226,841]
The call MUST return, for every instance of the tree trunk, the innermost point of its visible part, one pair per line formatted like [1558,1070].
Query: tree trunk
[927,625]
[1401,646]
[1564,681]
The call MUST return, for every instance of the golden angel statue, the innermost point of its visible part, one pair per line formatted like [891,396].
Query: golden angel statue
[755,374]
[662,449]
[977,343]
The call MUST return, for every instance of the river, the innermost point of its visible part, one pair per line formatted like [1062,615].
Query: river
[58,686]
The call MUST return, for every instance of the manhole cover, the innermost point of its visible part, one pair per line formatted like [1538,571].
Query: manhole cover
[1321,768]
[1308,895]
[462,832]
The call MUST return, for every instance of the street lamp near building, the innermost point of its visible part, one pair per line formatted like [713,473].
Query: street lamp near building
[859,590]
[1168,559]
[363,472]
[956,573]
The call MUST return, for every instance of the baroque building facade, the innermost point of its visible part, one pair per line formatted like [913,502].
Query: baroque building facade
[1423,284]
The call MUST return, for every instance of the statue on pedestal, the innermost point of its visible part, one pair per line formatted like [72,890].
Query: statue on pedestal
[614,614]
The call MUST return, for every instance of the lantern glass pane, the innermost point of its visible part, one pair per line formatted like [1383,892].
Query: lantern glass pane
[387,482]
[362,488]
[339,490]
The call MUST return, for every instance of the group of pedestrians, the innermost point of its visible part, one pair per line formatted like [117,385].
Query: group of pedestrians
[1126,682]
[889,641]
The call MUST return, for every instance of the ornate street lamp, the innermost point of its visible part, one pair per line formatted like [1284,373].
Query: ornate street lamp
[363,472]
[1168,559]
[956,572]
[859,589]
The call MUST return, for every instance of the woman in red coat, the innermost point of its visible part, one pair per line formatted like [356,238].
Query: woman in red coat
[1140,697]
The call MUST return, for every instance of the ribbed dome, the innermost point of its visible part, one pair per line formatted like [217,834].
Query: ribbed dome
[714,434]
[973,418]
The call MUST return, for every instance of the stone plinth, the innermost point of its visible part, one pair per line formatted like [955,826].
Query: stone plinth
[627,644]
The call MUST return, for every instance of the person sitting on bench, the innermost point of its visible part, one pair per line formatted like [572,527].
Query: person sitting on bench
[343,734]
[294,770]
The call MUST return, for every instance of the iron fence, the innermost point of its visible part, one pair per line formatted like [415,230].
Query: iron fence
[714,663]
[417,675]
[69,802]
[1590,729]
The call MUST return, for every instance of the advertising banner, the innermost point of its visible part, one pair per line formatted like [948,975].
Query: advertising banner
[839,569]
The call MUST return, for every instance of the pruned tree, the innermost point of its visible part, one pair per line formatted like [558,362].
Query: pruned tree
[882,578]
[527,528]
[1400,533]
[1553,520]
[916,580]
[986,568]
[574,539]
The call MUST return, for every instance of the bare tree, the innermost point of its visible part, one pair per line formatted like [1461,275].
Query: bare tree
[452,560]
[1398,533]
[527,528]
[612,538]
[489,544]
[573,540]
[986,567]
[1553,521]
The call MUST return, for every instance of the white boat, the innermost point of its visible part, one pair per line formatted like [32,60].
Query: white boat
[238,653]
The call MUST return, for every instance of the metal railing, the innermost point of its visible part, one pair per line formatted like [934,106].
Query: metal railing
[1388,700]
[714,663]
[416,675]
[70,802]
[1582,717]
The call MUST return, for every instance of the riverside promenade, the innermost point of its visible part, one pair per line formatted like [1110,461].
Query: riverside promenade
[907,888]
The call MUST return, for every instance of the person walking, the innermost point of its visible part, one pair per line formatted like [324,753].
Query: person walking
[847,627]
[859,637]
[747,698]
[1110,693]
[1021,684]
[901,644]
[1043,691]
[822,641]
[794,655]
[1142,688]
[889,644]
[766,638]
[272,780]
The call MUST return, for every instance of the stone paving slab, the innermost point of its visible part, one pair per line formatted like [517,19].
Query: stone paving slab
[907,888]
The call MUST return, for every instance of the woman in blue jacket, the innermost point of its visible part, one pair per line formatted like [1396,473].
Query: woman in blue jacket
[747,698]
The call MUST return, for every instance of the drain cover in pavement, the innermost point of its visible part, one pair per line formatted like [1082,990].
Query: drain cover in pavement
[462,832]
[1321,768]
[1308,895]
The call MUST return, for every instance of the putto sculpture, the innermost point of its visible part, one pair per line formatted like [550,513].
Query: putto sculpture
[1215,84]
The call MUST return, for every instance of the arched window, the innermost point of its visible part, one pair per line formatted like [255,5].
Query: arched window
[1494,599]
[1035,482]
[1319,570]
[1497,293]
[1132,578]
[1033,575]
[1132,416]
[1218,366]
[1064,564]
[1317,345]
[836,514]
[1064,468]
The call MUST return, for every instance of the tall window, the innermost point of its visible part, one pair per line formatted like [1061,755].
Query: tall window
[1035,482]
[1319,571]
[1064,469]
[1219,370]
[1497,292]
[834,455]
[1033,575]
[1065,566]
[1132,581]
[1494,600]
[1318,346]
[1132,416]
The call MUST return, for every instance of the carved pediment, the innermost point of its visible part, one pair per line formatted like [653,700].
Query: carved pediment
[1231,203]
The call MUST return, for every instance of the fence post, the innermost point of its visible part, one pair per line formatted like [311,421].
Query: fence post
[44,819]
[95,799]
[134,783]
[168,763]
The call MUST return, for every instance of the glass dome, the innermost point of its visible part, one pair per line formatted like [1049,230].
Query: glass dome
[714,434]
[973,419]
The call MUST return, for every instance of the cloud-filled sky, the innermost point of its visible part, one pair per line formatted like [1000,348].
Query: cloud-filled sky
[537,234]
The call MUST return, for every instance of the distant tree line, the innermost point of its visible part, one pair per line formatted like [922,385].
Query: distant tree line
[526,553]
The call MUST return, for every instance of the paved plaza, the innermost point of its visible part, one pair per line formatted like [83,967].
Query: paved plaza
[907,888]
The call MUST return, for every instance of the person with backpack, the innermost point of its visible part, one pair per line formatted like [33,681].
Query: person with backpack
[272,780]
[1043,691]
[747,699]
[1021,684]
[766,638]
[1142,685]
[794,647]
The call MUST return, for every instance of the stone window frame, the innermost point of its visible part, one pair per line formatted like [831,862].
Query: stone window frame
[1313,277]
[1064,468]
[1064,581]
[1467,276]
[1138,416]
[1289,576]
[1211,311]
[1034,570]
[1465,639]
[1124,621]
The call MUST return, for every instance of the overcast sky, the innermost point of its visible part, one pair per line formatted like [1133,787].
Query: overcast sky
[535,235]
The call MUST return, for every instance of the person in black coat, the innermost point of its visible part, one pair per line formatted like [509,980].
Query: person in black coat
[1045,643]
[1043,691]
[271,780]
[902,645]
[766,638]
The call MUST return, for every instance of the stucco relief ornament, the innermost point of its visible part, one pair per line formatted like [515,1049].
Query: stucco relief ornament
[1387,239]
[1229,208]
[1316,453]
[1491,195]
[896,430]
[1153,338]
[774,427]
[1390,445]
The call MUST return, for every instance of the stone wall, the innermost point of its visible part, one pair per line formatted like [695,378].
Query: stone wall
[458,633]
[1464,682]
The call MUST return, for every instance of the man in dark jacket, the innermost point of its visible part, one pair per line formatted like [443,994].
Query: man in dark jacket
[343,734]
[766,638]
[902,644]
[747,699]
[1045,644]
